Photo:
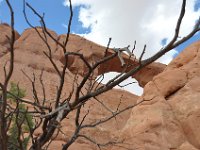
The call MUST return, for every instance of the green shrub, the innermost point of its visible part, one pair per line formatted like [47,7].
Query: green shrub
[15,92]
[20,120]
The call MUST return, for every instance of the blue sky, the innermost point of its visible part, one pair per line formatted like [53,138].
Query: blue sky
[56,15]
[187,43]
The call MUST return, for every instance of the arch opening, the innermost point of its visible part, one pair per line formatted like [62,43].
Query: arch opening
[131,85]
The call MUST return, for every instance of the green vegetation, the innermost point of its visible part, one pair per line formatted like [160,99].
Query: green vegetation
[21,120]
[15,91]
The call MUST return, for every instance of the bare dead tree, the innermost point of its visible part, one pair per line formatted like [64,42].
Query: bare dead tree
[49,118]
[4,85]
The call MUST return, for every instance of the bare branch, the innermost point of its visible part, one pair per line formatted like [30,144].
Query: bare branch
[3,121]
[143,51]
[112,116]
[106,51]
[50,118]
[99,145]
[44,39]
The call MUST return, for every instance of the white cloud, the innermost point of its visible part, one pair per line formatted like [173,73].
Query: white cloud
[146,21]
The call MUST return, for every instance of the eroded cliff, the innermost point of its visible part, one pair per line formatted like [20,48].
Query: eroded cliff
[168,117]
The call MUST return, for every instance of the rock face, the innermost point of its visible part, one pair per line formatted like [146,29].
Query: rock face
[29,59]
[168,114]
[5,38]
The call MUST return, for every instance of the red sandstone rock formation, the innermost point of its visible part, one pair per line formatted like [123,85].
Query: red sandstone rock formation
[5,38]
[167,119]
[29,57]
